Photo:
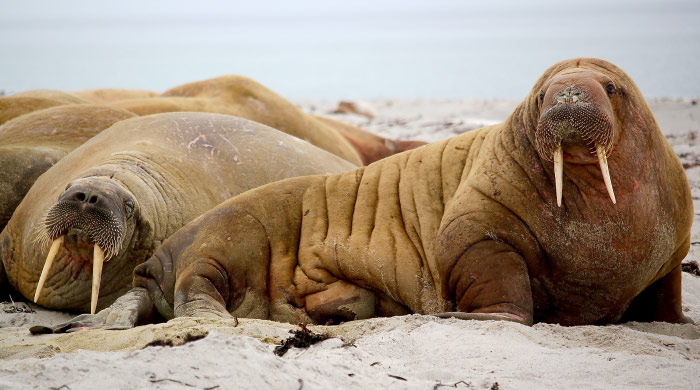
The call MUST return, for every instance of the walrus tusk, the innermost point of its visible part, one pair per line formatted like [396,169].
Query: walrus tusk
[98,258]
[47,266]
[603,160]
[558,171]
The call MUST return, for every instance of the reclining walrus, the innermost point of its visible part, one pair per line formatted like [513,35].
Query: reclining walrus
[573,211]
[244,97]
[118,196]
[31,143]
[25,102]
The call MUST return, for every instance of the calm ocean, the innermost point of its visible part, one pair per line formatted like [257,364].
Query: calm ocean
[356,49]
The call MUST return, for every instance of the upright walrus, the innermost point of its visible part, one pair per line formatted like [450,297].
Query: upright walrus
[471,224]
[119,195]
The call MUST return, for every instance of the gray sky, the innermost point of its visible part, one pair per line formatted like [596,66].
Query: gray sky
[330,49]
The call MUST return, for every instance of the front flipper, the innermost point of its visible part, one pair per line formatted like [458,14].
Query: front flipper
[203,289]
[490,281]
[129,310]
[659,302]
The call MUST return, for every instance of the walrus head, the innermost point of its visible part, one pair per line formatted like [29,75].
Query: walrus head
[94,213]
[576,123]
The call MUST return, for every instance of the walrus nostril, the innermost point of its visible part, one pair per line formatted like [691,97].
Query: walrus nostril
[93,199]
[80,196]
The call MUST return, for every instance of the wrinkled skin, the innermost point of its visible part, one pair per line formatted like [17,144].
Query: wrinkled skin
[32,143]
[132,186]
[244,97]
[467,227]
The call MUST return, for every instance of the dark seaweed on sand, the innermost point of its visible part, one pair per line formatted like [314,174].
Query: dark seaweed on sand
[303,338]
[691,267]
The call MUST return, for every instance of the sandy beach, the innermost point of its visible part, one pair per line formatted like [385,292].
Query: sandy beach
[409,352]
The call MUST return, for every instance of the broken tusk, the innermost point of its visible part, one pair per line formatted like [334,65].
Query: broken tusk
[98,258]
[55,246]
[558,171]
[603,160]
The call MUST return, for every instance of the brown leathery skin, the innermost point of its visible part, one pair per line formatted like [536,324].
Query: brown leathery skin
[175,166]
[25,102]
[53,94]
[370,146]
[300,242]
[468,224]
[111,95]
[588,259]
[244,97]
[32,143]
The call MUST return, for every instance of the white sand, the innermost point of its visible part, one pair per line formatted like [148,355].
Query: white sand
[415,352]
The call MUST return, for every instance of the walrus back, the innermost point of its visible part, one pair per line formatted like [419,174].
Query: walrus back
[374,227]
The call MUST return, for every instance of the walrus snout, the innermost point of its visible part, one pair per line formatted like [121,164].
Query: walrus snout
[571,95]
[90,212]
[576,124]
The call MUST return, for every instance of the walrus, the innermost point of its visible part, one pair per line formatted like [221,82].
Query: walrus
[114,199]
[21,103]
[111,95]
[370,146]
[30,144]
[244,97]
[573,211]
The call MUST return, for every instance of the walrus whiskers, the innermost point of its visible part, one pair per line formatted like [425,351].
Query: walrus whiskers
[98,258]
[558,171]
[603,160]
[47,266]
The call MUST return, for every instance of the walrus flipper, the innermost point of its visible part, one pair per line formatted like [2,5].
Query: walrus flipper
[659,302]
[490,281]
[202,293]
[131,309]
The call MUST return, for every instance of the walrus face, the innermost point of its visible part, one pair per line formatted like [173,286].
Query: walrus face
[92,213]
[577,123]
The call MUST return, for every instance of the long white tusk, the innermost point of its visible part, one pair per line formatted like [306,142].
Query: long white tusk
[98,258]
[558,171]
[603,160]
[47,266]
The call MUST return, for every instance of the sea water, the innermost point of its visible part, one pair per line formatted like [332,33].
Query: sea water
[346,50]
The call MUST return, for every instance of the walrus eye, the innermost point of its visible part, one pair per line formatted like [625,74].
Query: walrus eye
[610,89]
[129,208]
[541,97]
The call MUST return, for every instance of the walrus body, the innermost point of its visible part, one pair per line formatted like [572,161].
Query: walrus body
[131,186]
[25,102]
[470,224]
[32,143]
[370,146]
[111,95]
[241,96]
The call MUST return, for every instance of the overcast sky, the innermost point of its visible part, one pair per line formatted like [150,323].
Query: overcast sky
[330,49]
